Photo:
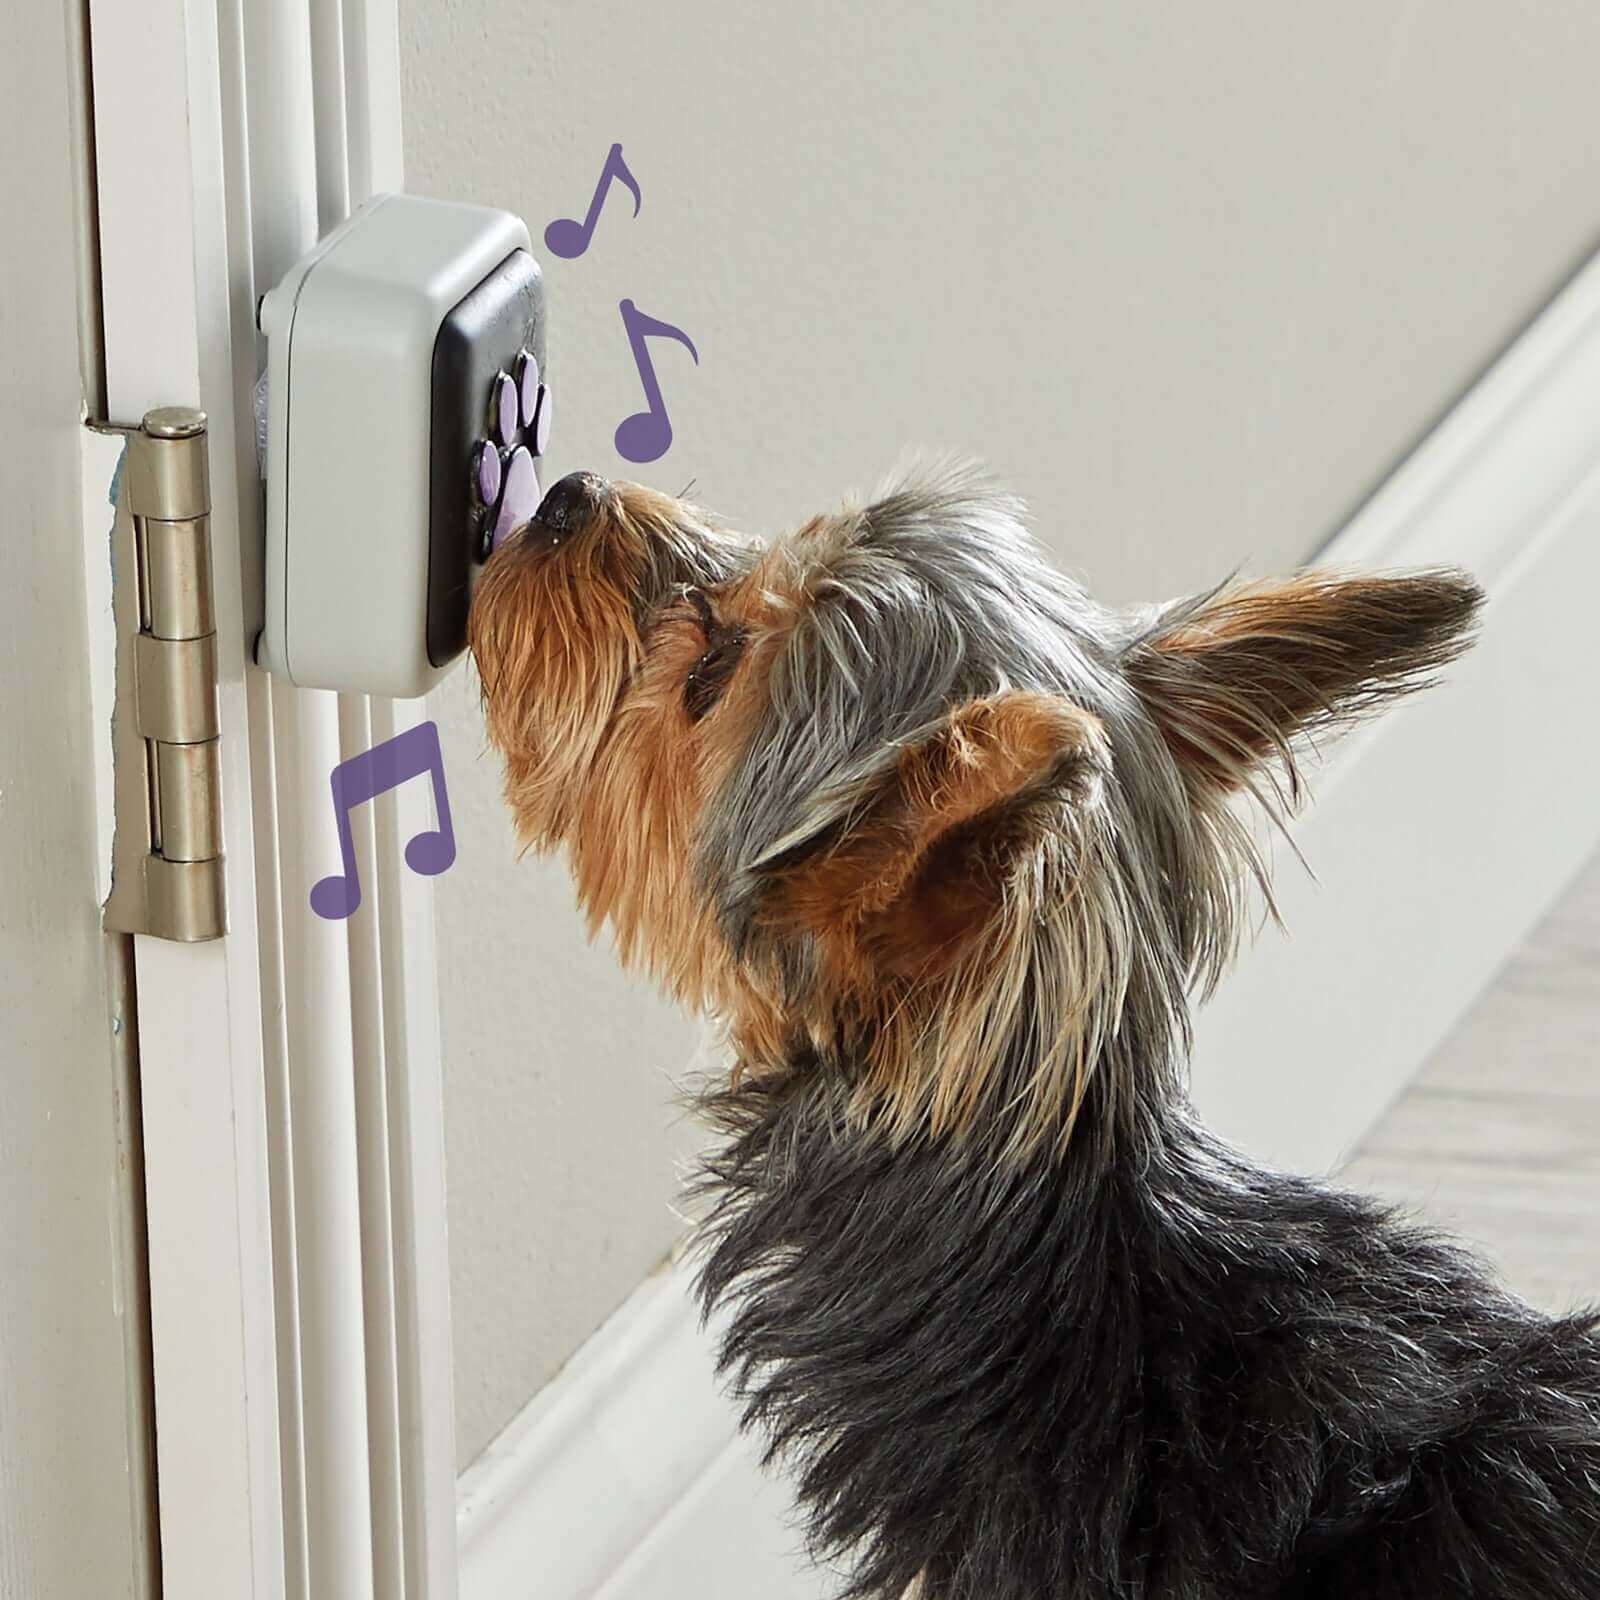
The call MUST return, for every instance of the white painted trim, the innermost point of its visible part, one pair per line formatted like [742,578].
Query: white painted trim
[394,969]
[272,110]
[165,274]
[1439,836]
[291,1071]
[731,1535]
[424,1369]
[369,1271]
[626,1478]
[599,1457]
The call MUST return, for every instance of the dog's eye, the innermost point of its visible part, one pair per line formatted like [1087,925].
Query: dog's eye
[709,676]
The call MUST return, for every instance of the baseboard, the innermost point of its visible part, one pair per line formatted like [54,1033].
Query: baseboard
[1440,835]
[582,1474]
[1438,838]
[623,1472]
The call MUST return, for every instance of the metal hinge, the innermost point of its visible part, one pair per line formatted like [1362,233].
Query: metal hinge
[166,859]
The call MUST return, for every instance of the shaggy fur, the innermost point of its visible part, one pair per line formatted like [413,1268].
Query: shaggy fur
[950,849]
[1169,1375]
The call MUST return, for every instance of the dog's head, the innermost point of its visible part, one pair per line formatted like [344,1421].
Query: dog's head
[904,803]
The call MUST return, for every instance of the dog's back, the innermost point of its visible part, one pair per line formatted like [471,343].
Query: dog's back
[1176,1377]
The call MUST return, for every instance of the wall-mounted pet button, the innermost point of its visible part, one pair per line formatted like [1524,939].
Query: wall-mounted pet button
[438,308]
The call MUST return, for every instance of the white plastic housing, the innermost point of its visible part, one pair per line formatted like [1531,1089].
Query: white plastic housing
[350,338]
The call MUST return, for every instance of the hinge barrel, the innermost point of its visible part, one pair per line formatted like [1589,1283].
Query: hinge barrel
[167,868]
[178,577]
[188,789]
[175,685]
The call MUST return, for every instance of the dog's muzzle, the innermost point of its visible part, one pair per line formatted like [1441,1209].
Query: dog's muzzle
[570,501]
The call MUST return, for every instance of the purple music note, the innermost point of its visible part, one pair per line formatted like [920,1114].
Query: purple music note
[646,435]
[568,237]
[364,777]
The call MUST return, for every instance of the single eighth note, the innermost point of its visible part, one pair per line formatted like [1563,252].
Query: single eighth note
[568,237]
[646,435]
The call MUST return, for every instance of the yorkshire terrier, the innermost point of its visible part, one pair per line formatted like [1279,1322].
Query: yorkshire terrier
[950,849]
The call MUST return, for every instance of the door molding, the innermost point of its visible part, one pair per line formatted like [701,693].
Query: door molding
[290,1071]
[1439,836]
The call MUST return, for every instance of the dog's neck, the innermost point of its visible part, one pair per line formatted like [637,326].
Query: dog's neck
[905,1321]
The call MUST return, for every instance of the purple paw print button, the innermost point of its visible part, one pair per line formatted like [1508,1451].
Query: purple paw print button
[503,475]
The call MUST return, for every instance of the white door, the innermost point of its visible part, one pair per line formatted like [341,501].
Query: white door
[289,1071]
[75,1440]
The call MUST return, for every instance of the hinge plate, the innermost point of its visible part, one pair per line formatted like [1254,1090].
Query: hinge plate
[166,858]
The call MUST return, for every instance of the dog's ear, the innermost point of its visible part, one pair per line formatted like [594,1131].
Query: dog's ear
[920,857]
[1233,676]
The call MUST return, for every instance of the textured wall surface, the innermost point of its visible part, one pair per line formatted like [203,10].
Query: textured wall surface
[1191,279]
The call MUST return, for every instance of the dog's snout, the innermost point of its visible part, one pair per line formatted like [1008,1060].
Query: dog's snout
[570,500]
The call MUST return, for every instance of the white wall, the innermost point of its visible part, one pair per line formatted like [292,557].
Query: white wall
[72,1451]
[1191,278]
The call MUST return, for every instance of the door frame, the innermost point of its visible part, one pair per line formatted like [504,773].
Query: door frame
[294,1177]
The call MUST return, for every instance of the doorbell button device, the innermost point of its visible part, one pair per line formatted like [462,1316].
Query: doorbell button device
[386,347]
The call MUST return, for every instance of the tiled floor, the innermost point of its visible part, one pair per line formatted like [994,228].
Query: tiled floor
[1498,1139]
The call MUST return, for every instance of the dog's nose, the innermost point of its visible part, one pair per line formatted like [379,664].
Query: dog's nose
[570,500]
